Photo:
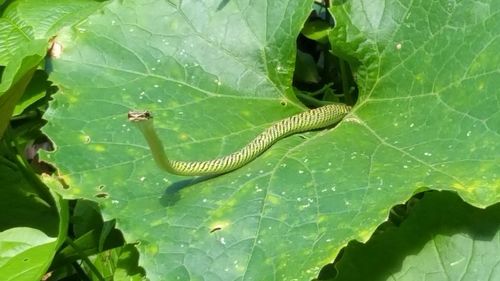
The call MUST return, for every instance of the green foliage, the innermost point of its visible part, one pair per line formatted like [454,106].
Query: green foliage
[33,221]
[16,77]
[442,237]
[216,73]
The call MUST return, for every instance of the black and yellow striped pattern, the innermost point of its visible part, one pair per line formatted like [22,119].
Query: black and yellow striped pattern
[313,119]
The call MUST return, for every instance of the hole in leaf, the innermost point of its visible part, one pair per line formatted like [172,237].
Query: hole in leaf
[215,229]
[321,77]
[102,195]
[63,183]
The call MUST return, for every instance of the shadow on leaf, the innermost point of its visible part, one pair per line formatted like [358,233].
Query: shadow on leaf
[171,194]
[437,218]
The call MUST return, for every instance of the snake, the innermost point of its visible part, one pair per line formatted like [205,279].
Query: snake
[321,117]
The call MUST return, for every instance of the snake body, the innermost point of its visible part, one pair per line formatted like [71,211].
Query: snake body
[320,117]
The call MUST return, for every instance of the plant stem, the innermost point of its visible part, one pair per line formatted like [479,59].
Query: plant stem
[311,100]
[85,259]
[345,82]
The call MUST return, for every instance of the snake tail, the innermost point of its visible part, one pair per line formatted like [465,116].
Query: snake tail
[320,117]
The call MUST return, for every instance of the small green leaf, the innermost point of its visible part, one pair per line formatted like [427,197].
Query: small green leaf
[306,68]
[317,30]
[16,77]
[25,253]
[126,266]
[35,91]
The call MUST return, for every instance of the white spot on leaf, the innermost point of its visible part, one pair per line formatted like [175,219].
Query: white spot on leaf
[56,50]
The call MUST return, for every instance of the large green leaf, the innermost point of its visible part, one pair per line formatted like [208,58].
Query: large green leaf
[216,74]
[428,79]
[26,20]
[443,238]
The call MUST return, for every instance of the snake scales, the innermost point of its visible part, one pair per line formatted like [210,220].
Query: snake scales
[320,117]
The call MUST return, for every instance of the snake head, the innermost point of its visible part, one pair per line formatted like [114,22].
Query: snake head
[137,116]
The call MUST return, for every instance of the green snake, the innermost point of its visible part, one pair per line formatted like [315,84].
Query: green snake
[320,117]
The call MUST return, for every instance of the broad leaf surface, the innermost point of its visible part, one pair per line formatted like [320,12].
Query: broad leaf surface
[215,74]
[428,75]
[443,238]
[26,253]
[26,20]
